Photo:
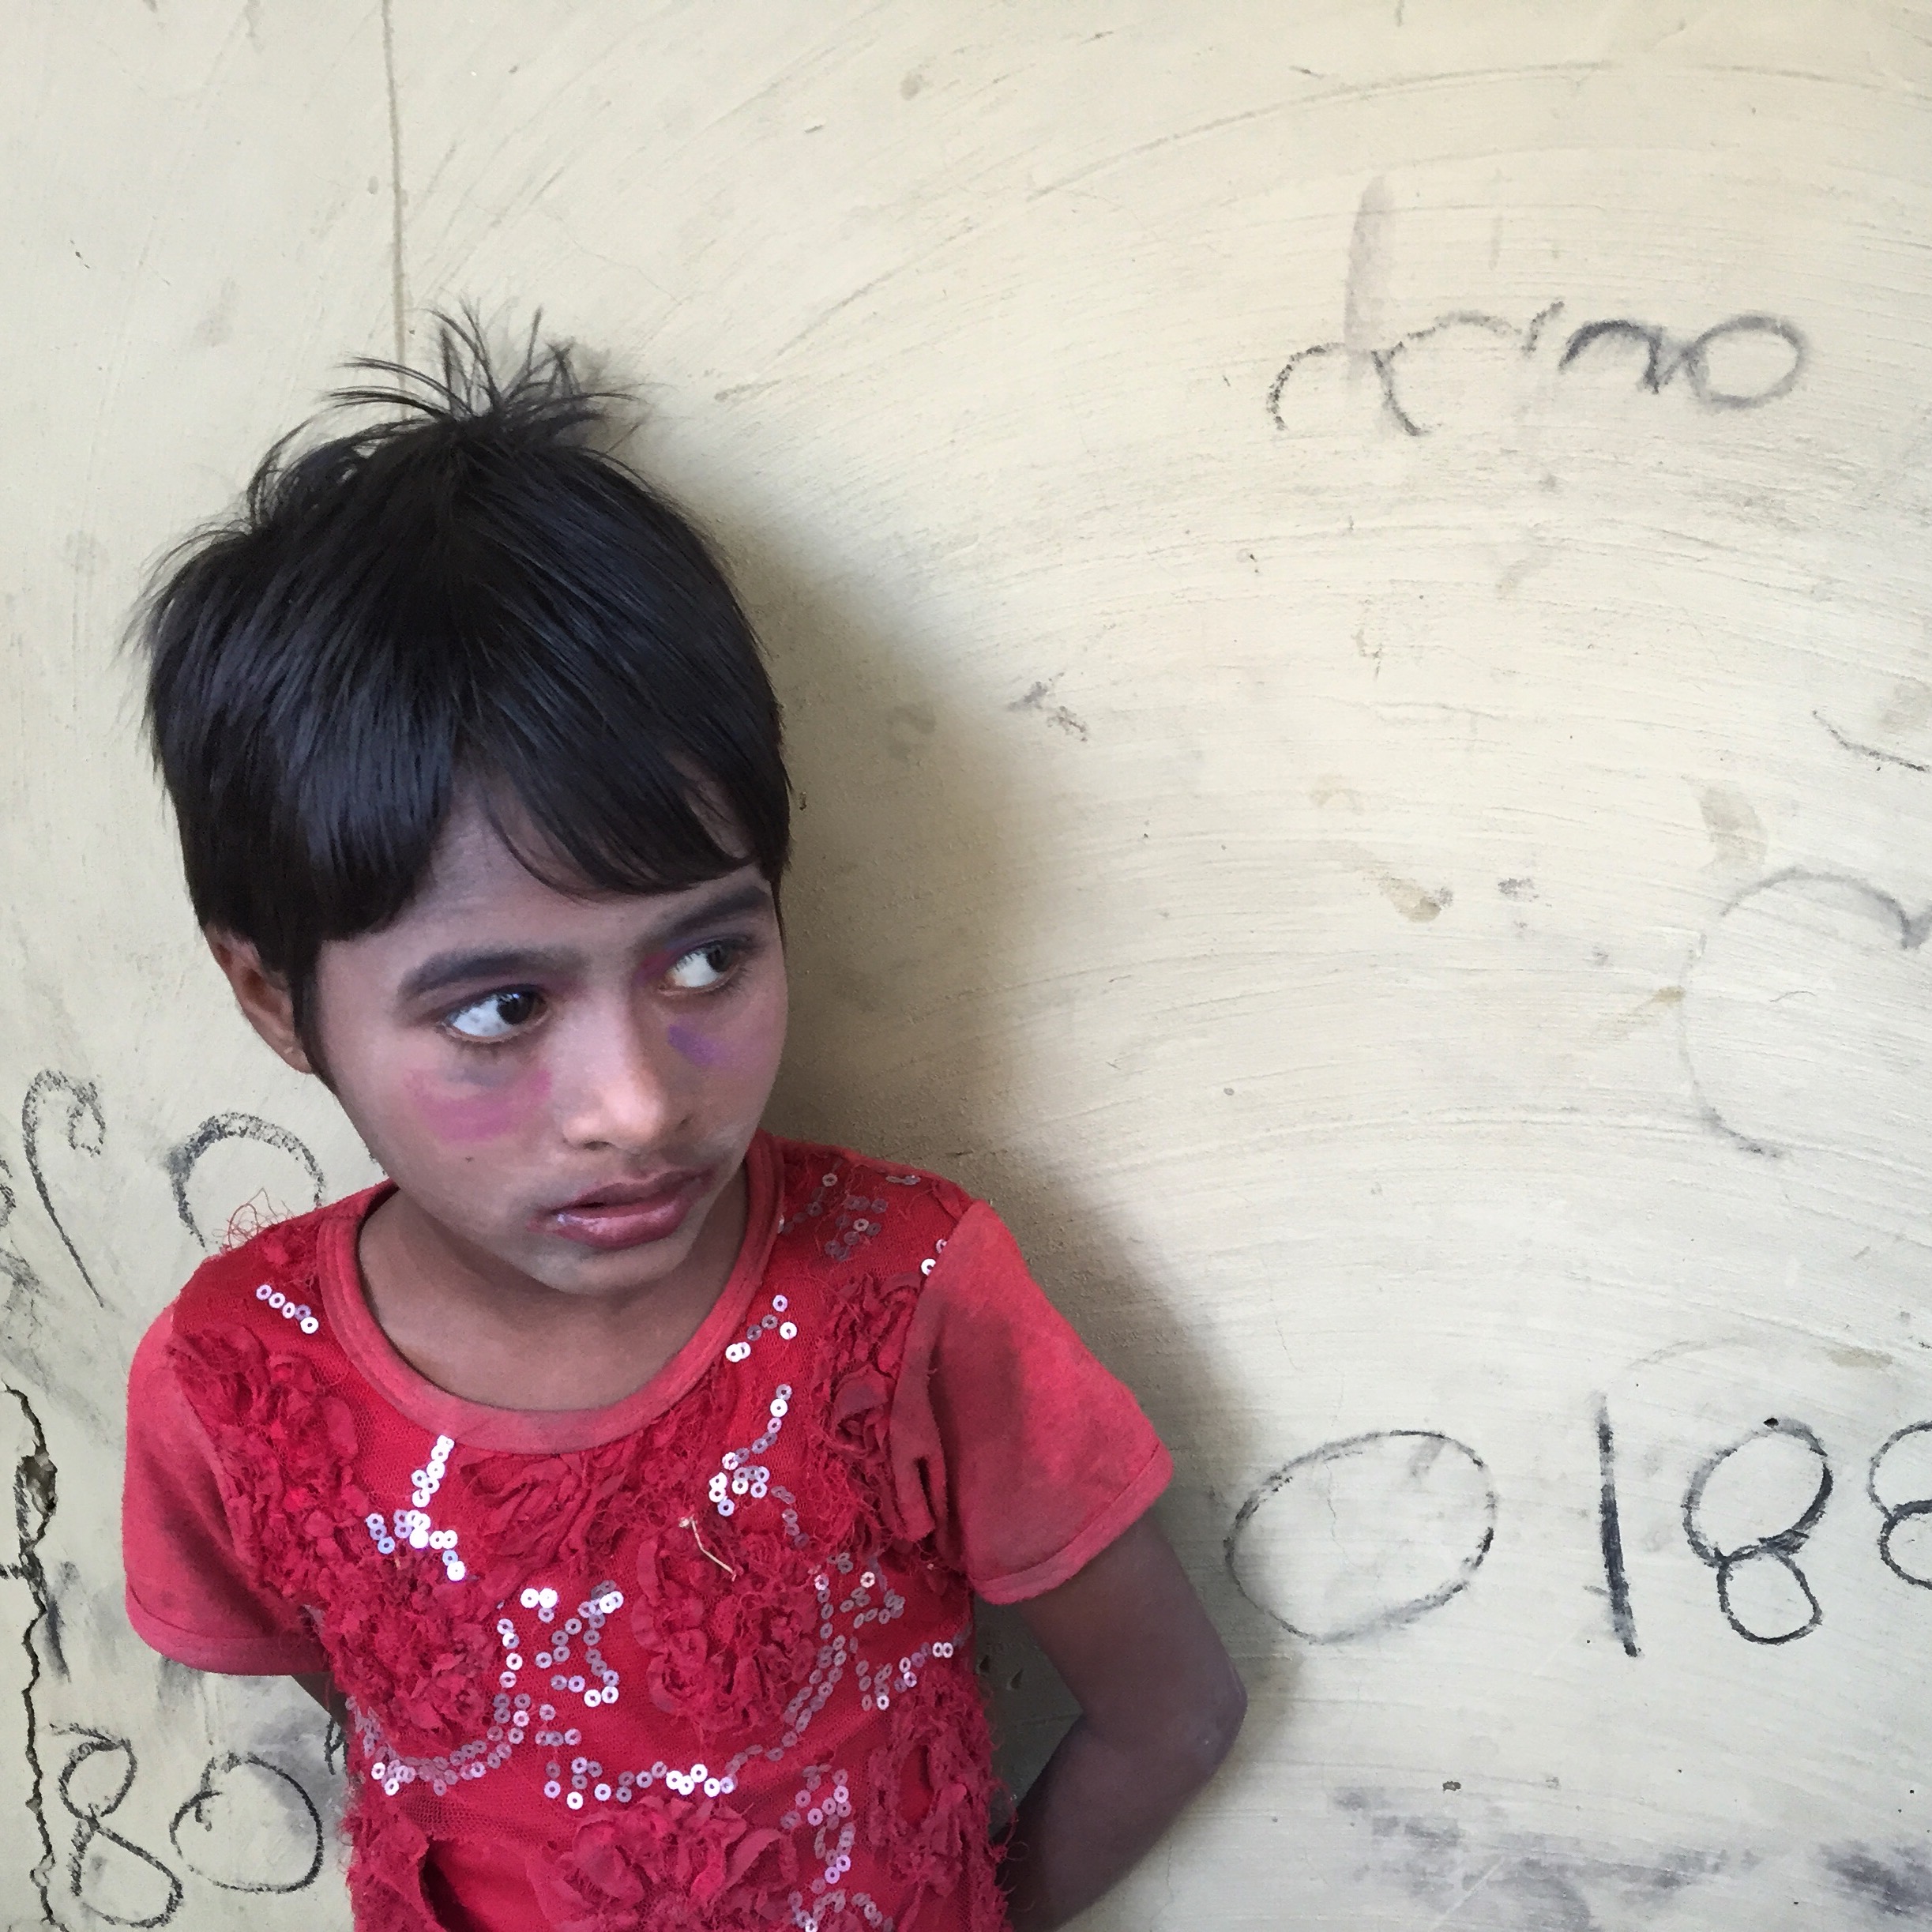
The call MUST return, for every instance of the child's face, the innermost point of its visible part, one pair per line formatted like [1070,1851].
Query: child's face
[563,1085]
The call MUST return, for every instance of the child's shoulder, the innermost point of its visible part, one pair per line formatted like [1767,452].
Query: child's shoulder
[842,1200]
[278,1264]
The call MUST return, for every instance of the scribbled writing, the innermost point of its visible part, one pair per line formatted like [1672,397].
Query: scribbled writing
[1775,1552]
[241,1782]
[1742,363]
[127,1884]
[217,1128]
[20,1276]
[34,1495]
[1903,1524]
[1374,1531]
[249,1825]
[1411,1513]
[1609,1534]
[85,1127]
[145,1896]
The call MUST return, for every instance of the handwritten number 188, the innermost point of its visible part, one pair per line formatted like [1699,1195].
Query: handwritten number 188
[1763,1591]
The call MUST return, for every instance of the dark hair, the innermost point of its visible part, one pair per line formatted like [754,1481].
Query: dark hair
[465,594]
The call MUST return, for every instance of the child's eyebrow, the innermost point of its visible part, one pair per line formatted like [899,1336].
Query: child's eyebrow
[443,970]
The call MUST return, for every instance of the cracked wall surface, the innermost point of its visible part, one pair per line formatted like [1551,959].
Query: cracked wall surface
[1350,587]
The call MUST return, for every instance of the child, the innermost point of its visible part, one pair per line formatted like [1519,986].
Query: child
[619,1472]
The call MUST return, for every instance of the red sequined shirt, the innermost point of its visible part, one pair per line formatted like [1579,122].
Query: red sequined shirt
[700,1659]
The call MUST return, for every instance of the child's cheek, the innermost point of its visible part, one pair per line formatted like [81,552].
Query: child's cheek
[738,1040]
[463,1112]
[701,1048]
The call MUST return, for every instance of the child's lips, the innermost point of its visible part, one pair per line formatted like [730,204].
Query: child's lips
[627,1214]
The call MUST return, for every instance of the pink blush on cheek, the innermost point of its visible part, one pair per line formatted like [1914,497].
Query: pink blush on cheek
[462,1113]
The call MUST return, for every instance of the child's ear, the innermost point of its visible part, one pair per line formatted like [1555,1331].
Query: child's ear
[263,996]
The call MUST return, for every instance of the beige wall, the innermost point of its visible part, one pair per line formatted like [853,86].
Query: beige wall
[1404,883]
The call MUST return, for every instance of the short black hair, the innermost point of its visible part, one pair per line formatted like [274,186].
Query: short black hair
[465,594]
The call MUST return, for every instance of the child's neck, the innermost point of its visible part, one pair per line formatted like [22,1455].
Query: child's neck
[519,1345]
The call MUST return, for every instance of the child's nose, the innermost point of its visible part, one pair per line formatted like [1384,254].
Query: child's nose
[623,1088]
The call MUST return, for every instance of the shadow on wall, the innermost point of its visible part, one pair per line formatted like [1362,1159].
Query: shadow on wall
[908,900]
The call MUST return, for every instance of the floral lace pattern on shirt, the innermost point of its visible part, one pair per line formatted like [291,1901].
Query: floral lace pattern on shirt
[740,1613]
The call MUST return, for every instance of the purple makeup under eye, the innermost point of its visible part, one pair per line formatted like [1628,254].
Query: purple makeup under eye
[701,1049]
[464,1112]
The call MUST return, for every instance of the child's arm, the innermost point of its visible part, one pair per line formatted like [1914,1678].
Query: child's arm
[1159,1705]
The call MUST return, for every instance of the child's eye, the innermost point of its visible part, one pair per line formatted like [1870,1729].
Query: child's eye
[496,1016]
[704,966]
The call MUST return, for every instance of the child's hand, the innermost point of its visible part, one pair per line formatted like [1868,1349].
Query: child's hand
[1159,1703]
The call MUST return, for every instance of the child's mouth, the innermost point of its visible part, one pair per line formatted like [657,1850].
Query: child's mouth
[627,1214]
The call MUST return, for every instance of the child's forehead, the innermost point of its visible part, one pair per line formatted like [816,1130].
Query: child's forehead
[490,856]
[490,883]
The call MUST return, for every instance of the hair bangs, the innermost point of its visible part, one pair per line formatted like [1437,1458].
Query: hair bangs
[465,596]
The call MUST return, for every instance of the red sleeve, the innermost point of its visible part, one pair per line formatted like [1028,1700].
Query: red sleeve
[1011,1446]
[188,1595]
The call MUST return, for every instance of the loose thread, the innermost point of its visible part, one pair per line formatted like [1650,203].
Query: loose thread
[690,1523]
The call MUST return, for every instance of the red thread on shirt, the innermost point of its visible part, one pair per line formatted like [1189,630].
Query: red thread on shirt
[931,1794]
[386,1851]
[668,1864]
[726,1652]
